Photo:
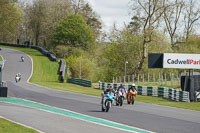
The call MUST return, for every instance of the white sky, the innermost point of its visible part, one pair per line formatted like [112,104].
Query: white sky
[111,11]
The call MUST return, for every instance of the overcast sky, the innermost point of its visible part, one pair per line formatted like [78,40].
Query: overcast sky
[111,11]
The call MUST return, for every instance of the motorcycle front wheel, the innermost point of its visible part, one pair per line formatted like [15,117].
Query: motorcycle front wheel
[121,101]
[108,106]
[128,100]
[133,100]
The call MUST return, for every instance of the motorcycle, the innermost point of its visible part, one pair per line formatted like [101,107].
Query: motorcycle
[107,101]
[131,96]
[22,59]
[120,98]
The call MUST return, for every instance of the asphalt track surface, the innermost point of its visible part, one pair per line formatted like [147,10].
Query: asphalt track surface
[145,116]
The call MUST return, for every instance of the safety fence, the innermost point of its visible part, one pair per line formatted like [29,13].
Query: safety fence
[61,71]
[157,78]
[82,82]
[44,51]
[164,92]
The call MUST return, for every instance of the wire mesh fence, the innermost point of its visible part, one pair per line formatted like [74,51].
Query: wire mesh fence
[161,79]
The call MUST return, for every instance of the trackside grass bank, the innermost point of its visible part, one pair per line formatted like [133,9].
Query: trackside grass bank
[45,74]
[10,127]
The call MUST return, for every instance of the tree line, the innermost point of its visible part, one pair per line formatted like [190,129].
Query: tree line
[73,31]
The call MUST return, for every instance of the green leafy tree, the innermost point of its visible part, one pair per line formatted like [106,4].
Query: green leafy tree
[10,18]
[80,67]
[40,18]
[74,32]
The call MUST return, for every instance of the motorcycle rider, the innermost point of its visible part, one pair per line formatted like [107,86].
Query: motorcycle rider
[108,90]
[133,88]
[121,88]
[22,58]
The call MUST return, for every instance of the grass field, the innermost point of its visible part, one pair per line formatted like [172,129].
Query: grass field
[45,74]
[1,58]
[10,127]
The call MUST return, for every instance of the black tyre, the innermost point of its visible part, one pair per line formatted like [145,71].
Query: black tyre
[121,101]
[127,100]
[108,106]
[102,108]
[102,105]
[133,100]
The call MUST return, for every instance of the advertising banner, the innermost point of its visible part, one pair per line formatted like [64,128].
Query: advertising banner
[185,61]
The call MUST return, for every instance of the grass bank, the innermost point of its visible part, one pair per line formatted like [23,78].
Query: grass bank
[10,127]
[45,74]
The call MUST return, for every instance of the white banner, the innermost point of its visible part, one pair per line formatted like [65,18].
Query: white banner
[185,61]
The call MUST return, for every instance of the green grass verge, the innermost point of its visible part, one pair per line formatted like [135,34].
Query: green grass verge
[169,85]
[1,58]
[45,74]
[44,70]
[166,102]
[10,127]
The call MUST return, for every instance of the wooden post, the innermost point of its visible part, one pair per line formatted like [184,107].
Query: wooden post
[143,77]
[128,78]
[133,78]
[177,78]
[159,78]
[171,78]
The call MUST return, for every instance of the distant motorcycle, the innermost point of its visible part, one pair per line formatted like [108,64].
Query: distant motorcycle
[131,96]
[120,97]
[18,77]
[22,58]
[107,101]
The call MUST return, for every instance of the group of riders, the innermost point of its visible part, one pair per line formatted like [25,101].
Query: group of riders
[132,91]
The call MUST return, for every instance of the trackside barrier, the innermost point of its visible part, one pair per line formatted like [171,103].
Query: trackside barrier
[81,82]
[44,51]
[61,71]
[164,92]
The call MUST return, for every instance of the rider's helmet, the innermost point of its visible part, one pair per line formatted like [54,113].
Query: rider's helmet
[133,85]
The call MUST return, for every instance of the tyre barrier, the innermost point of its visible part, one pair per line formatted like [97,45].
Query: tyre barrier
[81,82]
[3,90]
[164,92]
[44,51]
[61,71]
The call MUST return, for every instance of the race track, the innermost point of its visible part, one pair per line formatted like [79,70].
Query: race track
[150,117]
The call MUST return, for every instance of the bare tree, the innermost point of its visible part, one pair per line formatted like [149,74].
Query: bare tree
[172,16]
[41,16]
[149,13]
[191,17]
[77,5]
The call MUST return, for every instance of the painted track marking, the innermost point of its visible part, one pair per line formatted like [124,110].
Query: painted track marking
[47,108]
